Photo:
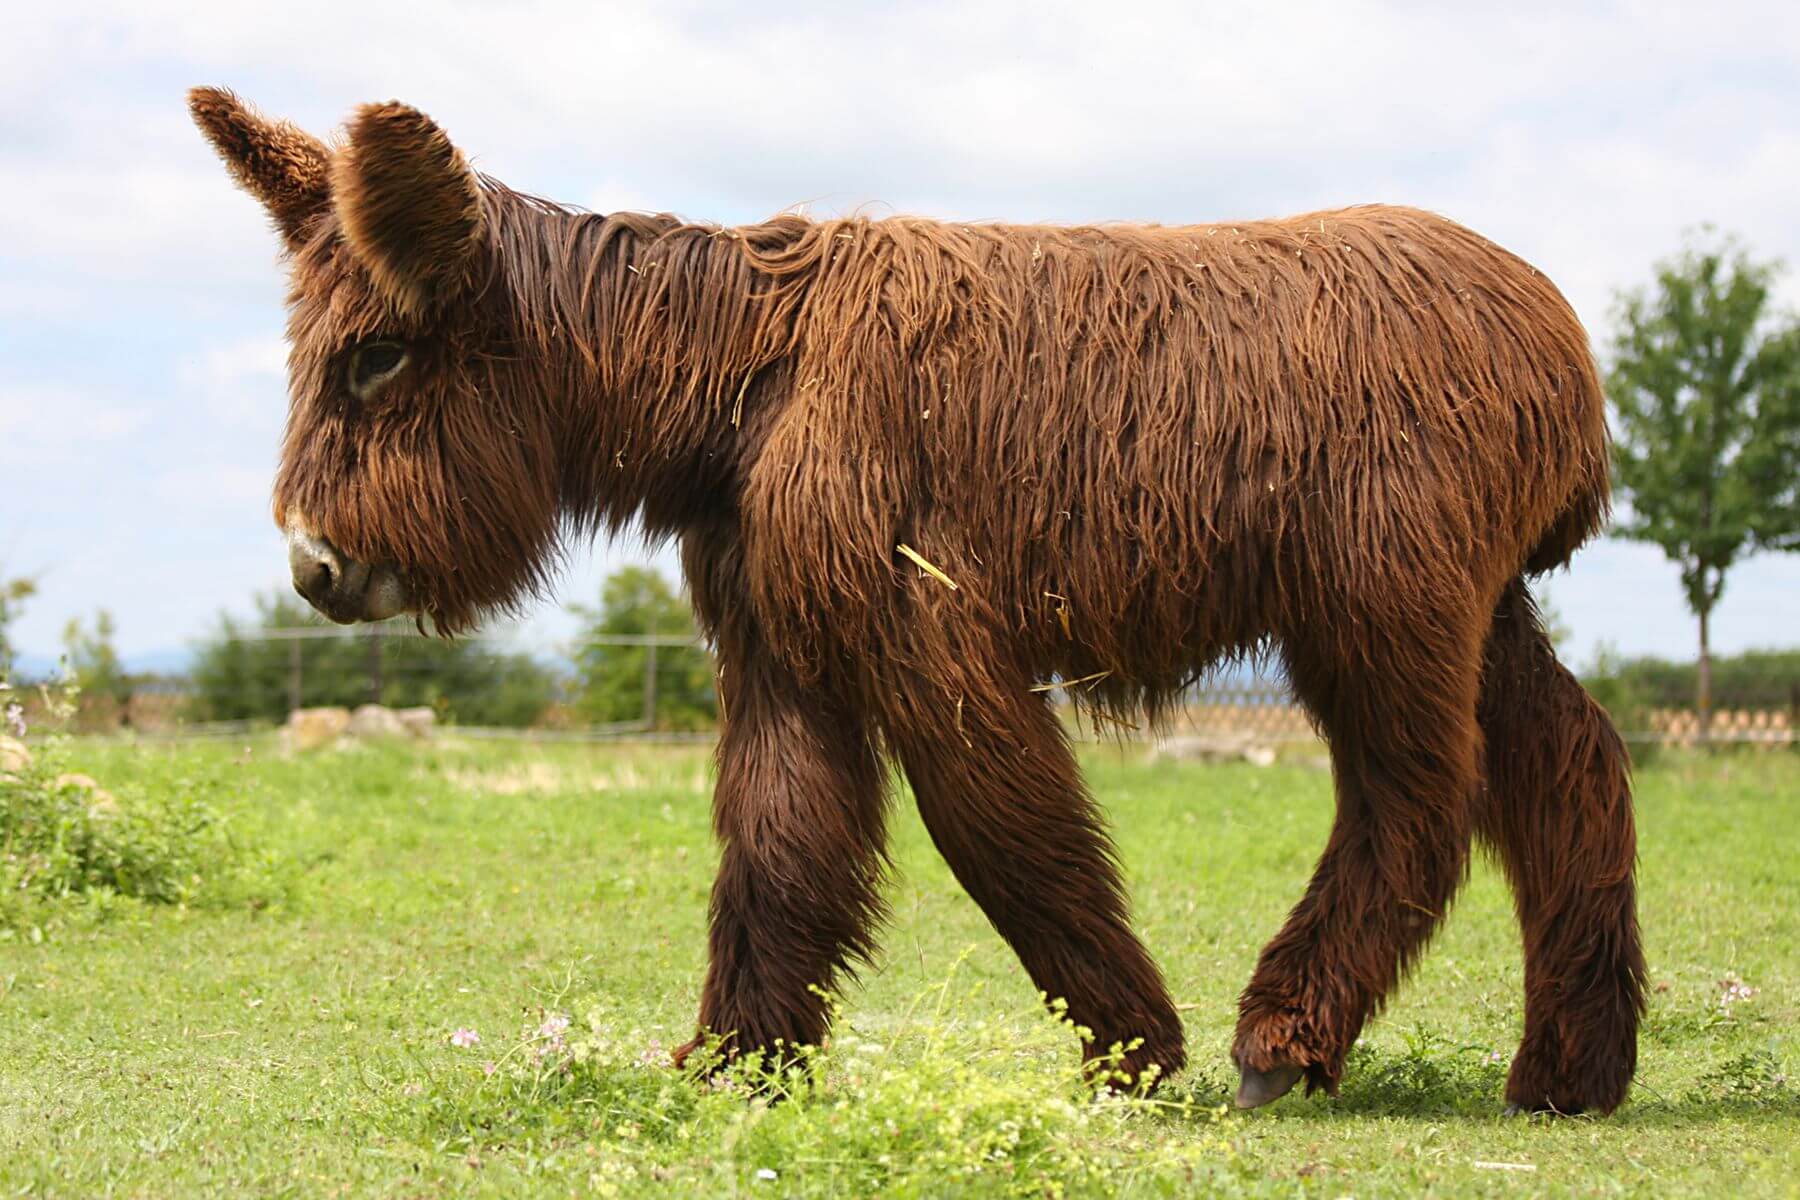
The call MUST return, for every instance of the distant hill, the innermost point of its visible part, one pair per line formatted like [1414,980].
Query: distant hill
[167,661]
[33,666]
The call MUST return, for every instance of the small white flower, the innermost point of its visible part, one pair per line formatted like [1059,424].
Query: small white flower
[766,1174]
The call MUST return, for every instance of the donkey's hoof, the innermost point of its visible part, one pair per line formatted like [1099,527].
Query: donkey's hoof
[1257,1088]
[1515,1109]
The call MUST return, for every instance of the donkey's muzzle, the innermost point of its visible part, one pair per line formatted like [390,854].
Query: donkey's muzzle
[340,587]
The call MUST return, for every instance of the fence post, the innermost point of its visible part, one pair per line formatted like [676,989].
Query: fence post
[294,679]
[650,686]
[374,664]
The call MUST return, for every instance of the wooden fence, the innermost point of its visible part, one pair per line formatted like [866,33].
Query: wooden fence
[1767,729]
[1257,712]
[1263,713]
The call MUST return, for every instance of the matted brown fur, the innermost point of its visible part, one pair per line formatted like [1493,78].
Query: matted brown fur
[1134,451]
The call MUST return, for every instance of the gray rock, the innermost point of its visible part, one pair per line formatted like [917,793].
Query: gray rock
[375,721]
[420,722]
[1215,748]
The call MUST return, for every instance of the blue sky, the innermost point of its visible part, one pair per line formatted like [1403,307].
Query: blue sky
[141,385]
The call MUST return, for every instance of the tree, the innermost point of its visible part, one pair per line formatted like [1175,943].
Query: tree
[669,686]
[1554,625]
[13,594]
[1705,383]
[240,673]
[1631,688]
[94,662]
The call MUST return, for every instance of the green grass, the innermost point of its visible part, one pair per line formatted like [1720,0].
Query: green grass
[294,1039]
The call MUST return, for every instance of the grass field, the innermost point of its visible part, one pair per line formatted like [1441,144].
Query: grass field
[293,1032]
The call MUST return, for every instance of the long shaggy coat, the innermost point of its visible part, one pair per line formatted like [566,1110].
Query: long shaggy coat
[919,469]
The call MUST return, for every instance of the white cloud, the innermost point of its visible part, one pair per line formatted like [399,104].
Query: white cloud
[211,487]
[243,382]
[1584,136]
[614,195]
[1595,212]
[131,222]
[52,425]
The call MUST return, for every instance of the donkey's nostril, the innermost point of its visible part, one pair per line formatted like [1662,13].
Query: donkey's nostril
[318,579]
[316,566]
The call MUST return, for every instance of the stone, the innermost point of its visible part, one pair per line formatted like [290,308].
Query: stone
[14,756]
[311,728]
[100,802]
[374,721]
[420,722]
[1215,748]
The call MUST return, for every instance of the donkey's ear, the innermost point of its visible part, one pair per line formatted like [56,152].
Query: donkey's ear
[409,204]
[280,164]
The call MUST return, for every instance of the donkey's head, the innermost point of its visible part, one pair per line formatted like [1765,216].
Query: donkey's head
[419,471]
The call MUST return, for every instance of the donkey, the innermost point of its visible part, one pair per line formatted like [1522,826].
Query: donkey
[918,468]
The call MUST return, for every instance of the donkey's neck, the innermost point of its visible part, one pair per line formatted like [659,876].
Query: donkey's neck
[649,336]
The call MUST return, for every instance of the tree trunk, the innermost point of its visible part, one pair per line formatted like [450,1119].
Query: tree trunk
[295,685]
[1703,676]
[649,686]
[375,682]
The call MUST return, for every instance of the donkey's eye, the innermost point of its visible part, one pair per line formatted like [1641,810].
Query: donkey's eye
[373,364]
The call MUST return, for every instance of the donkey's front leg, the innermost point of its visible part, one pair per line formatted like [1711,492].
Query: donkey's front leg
[799,811]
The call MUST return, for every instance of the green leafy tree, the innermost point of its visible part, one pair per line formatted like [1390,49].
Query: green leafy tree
[1705,383]
[1555,625]
[240,674]
[1755,679]
[669,685]
[13,594]
[94,662]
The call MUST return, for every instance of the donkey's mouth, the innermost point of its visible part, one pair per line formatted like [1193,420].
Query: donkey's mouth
[338,586]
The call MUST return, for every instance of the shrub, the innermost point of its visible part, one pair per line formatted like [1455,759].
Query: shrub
[67,842]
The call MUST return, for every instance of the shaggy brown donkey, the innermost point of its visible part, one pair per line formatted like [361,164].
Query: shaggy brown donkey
[1125,452]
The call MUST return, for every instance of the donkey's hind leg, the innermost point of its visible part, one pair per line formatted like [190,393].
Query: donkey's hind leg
[1557,808]
[1398,707]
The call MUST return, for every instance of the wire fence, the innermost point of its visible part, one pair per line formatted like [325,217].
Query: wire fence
[660,687]
[559,666]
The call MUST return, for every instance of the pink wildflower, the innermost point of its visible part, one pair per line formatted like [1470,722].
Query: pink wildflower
[1733,989]
[465,1037]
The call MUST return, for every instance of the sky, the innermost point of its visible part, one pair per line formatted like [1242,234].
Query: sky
[142,385]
